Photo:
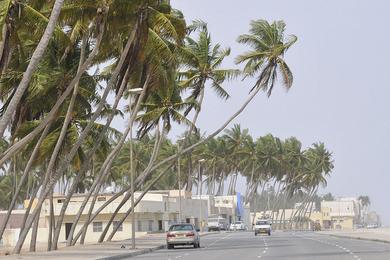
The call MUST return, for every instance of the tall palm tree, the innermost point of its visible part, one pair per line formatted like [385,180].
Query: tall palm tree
[32,66]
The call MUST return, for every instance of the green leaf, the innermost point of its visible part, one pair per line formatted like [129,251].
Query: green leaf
[4,8]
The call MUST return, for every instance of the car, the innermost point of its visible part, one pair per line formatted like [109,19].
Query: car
[263,227]
[370,226]
[217,224]
[238,225]
[181,235]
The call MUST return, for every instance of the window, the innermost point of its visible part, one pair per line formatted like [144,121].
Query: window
[101,199]
[150,225]
[182,227]
[160,225]
[115,224]
[60,201]
[139,225]
[97,226]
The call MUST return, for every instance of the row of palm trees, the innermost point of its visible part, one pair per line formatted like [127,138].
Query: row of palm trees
[62,60]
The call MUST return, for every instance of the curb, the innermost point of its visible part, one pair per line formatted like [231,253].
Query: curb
[358,238]
[132,254]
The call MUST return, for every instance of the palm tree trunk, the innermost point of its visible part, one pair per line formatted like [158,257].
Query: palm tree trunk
[255,203]
[51,222]
[275,202]
[28,209]
[22,179]
[4,48]
[34,234]
[86,164]
[147,188]
[156,149]
[212,135]
[250,183]
[106,166]
[68,117]
[32,66]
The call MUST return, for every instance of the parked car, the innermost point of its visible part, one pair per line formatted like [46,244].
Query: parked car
[183,234]
[217,224]
[263,226]
[238,225]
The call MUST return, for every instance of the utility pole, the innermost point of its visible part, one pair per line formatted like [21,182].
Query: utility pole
[132,92]
[179,178]
[200,195]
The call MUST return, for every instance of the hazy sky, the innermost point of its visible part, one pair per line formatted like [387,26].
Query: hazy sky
[341,88]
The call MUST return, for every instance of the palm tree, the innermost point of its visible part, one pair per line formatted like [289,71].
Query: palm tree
[269,47]
[200,64]
[32,66]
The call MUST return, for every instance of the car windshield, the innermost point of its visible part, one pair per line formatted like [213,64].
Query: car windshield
[262,223]
[181,228]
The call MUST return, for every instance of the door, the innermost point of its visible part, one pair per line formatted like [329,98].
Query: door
[68,226]
[160,225]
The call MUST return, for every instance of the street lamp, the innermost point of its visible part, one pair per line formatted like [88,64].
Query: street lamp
[133,91]
[200,194]
[179,176]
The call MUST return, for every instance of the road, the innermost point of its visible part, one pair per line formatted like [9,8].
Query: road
[281,245]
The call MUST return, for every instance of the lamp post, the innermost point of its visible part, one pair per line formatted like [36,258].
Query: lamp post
[200,194]
[179,176]
[134,91]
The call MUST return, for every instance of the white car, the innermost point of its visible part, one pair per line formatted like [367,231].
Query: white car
[238,225]
[263,226]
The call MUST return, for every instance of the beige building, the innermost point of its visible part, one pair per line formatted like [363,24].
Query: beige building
[155,213]
[344,213]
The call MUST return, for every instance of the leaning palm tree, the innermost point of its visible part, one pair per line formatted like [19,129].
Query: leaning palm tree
[200,64]
[32,66]
[265,61]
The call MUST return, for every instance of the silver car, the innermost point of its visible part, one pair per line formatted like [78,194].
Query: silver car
[183,234]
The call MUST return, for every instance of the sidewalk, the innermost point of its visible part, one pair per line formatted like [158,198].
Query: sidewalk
[377,234]
[106,250]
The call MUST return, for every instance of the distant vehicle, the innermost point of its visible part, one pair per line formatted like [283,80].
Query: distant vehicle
[217,224]
[238,225]
[183,234]
[263,226]
[358,226]
[372,226]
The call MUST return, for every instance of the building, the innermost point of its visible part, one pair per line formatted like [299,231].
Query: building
[344,213]
[155,213]
[230,207]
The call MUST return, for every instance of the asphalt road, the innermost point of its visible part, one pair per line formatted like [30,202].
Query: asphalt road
[281,245]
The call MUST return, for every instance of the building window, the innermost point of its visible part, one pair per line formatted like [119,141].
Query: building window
[97,226]
[60,201]
[115,224]
[150,225]
[101,199]
[139,225]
